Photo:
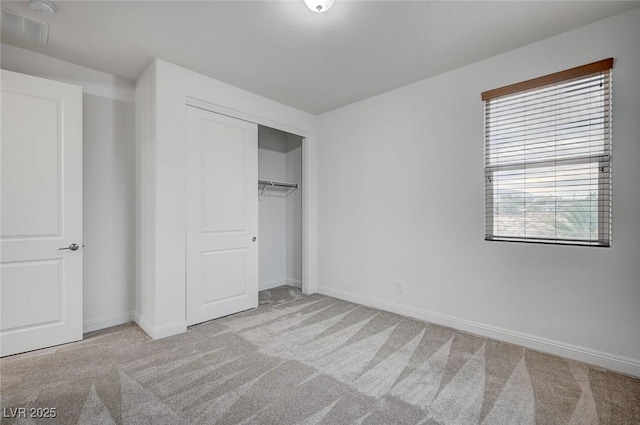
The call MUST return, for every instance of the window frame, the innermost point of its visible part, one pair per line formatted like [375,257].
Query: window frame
[604,184]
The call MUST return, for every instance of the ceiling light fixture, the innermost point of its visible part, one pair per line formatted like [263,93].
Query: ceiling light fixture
[42,6]
[319,6]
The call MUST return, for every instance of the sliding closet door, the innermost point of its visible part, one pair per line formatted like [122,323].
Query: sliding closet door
[222,215]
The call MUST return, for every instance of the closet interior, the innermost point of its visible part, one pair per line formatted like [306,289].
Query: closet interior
[279,208]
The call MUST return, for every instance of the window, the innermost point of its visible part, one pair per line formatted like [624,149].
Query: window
[548,158]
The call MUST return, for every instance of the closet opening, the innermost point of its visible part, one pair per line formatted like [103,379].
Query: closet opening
[280,195]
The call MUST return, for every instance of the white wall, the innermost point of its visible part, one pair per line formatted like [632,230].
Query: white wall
[108,183]
[400,197]
[294,211]
[146,112]
[272,211]
[161,139]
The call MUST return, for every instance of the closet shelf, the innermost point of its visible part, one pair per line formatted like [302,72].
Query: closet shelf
[277,183]
[272,184]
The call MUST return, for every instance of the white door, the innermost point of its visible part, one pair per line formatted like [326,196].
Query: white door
[222,215]
[40,284]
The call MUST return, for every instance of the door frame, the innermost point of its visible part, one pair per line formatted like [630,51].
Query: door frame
[162,91]
[211,107]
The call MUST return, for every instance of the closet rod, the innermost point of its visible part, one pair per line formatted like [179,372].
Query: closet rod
[276,183]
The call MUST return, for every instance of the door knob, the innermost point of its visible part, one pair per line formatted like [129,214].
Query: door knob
[253,239]
[72,247]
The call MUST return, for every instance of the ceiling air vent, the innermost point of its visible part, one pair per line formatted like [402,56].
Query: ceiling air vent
[20,26]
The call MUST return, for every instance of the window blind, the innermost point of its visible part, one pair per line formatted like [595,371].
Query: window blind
[548,158]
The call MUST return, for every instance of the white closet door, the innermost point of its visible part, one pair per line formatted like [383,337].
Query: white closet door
[41,284]
[222,215]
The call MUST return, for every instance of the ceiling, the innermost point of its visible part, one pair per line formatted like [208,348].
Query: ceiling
[283,51]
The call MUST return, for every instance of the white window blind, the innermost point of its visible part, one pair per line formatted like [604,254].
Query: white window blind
[548,158]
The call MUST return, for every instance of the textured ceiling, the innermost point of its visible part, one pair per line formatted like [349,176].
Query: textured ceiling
[285,52]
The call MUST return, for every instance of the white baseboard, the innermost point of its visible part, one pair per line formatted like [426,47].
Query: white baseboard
[159,332]
[144,323]
[613,362]
[106,322]
[294,282]
[279,282]
[271,284]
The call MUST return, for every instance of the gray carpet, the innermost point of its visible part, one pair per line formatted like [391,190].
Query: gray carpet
[311,360]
